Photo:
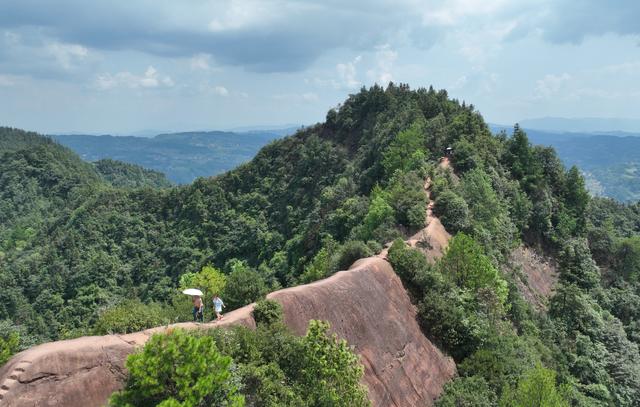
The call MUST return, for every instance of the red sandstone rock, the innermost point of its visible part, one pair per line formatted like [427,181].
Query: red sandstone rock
[536,275]
[366,305]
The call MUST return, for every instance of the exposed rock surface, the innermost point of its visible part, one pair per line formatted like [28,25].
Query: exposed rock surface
[536,275]
[433,239]
[366,305]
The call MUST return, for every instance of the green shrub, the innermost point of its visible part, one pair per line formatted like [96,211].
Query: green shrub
[408,199]
[330,372]
[450,320]
[209,279]
[267,312]
[9,344]
[407,150]
[179,369]
[501,360]
[407,263]
[467,266]
[350,252]
[278,368]
[13,339]
[244,285]
[374,246]
[267,385]
[319,268]
[464,156]
[130,316]
[453,211]
[379,216]
[467,392]
[416,215]
[536,388]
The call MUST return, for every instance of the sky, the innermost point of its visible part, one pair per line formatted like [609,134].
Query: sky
[125,66]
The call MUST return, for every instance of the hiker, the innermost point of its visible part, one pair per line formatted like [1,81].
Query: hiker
[198,309]
[217,305]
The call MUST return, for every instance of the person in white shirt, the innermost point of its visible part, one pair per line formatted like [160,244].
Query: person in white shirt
[218,305]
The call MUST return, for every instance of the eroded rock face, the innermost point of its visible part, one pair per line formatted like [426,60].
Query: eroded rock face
[536,275]
[366,305]
[369,307]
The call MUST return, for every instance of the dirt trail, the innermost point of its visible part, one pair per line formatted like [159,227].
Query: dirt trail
[433,239]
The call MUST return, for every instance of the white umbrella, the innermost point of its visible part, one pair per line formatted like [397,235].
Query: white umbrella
[192,291]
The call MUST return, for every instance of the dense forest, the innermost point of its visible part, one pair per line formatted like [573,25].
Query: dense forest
[125,175]
[81,254]
[610,161]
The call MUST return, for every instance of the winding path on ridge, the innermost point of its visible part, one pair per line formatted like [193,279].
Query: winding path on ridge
[366,305]
[433,238]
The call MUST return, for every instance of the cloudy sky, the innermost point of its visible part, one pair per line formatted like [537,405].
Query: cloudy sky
[122,66]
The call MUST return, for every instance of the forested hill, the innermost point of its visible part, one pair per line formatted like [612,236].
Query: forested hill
[40,180]
[125,175]
[609,161]
[309,205]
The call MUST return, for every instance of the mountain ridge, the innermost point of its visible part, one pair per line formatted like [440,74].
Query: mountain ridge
[307,206]
[402,368]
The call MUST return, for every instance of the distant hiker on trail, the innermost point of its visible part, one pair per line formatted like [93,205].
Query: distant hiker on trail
[198,309]
[218,304]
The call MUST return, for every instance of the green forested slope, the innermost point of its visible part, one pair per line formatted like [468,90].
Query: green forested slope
[38,180]
[125,175]
[310,204]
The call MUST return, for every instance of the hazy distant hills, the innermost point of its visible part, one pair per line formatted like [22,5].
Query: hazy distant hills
[610,161]
[582,125]
[182,157]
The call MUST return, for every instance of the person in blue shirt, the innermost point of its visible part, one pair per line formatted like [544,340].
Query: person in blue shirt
[218,305]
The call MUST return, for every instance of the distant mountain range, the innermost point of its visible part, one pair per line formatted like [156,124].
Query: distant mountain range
[582,125]
[609,160]
[182,157]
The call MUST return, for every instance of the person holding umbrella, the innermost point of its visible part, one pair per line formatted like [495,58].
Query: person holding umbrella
[198,309]
[198,304]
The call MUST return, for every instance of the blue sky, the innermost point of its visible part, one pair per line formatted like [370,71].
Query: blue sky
[125,66]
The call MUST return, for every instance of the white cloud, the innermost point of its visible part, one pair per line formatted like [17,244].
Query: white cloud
[452,12]
[459,83]
[627,68]
[201,62]
[221,90]
[307,97]
[385,58]
[11,38]
[551,84]
[67,54]
[234,15]
[150,79]
[348,73]
[7,80]
[479,45]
